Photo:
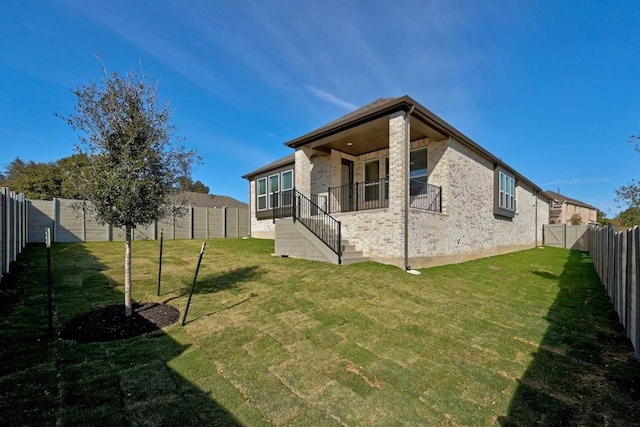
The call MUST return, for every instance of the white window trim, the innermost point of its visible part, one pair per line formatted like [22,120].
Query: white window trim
[506,192]
[269,192]
[258,195]
[282,189]
[371,196]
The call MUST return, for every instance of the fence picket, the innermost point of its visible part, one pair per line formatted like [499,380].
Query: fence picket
[13,224]
[616,258]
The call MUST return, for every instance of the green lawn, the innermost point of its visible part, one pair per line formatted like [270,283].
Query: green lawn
[528,338]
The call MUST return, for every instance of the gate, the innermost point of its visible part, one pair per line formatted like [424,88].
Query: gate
[573,237]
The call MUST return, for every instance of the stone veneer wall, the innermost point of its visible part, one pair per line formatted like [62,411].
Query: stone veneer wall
[466,228]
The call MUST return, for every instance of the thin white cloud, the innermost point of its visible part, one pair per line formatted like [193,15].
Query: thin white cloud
[164,46]
[577,181]
[330,98]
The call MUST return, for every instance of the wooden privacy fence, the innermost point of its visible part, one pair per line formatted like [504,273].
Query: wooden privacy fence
[615,257]
[574,237]
[70,225]
[13,227]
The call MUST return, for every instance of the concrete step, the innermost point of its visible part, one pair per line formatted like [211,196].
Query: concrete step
[350,255]
[346,260]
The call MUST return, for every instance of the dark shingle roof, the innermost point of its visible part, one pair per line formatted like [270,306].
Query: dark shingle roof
[370,106]
[287,160]
[206,200]
[559,197]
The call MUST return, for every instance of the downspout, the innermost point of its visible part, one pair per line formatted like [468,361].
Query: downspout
[536,221]
[407,185]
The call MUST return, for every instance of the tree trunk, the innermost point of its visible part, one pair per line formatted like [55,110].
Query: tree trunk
[127,272]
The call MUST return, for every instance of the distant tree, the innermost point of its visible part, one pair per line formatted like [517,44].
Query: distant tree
[135,159]
[576,219]
[630,217]
[38,181]
[44,181]
[35,180]
[12,171]
[185,183]
[602,219]
[630,194]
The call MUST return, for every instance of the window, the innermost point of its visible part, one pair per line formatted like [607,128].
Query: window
[371,180]
[262,193]
[275,190]
[274,187]
[286,187]
[505,203]
[417,171]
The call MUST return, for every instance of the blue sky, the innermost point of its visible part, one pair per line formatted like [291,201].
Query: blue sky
[551,87]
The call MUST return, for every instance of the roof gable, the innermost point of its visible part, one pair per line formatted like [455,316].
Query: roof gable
[559,197]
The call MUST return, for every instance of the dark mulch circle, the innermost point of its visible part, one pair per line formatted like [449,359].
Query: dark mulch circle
[110,323]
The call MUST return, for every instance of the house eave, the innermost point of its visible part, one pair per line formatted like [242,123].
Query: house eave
[405,103]
[284,161]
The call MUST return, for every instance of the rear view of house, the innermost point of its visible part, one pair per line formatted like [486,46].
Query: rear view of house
[394,183]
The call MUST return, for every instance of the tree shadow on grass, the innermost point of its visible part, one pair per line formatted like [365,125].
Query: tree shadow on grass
[584,372]
[148,380]
[224,281]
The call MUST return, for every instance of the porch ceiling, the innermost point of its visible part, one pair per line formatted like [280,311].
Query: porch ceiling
[370,136]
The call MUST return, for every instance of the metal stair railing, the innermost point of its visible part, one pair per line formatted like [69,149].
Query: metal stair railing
[318,221]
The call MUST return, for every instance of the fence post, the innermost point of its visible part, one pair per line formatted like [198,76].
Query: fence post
[628,281]
[84,224]
[191,221]
[224,220]
[56,219]
[623,276]
[206,221]
[173,224]
[636,292]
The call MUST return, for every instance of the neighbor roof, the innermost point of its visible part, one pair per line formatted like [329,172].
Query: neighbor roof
[559,197]
[206,200]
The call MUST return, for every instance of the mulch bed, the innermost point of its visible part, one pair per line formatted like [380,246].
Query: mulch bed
[110,323]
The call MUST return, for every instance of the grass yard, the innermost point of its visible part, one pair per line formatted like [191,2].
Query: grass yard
[528,338]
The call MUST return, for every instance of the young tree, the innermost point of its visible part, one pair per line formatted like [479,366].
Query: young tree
[630,193]
[576,219]
[135,159]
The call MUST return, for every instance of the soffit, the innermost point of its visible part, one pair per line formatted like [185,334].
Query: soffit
[370,136]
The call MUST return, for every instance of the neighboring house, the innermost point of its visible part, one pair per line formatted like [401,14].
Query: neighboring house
[563,208]
[205,200]
[394,183]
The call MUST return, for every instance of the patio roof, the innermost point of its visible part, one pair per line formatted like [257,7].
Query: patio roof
[366,128]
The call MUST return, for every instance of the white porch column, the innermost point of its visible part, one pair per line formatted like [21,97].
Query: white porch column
[303,171]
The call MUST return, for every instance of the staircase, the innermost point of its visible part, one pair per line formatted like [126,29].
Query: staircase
[350,255]
[295,239]
[309,232]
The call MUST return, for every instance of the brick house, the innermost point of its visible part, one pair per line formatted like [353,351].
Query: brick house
[394,183]
[563,208]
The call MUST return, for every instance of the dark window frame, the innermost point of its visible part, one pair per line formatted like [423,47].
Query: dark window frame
[268,213]
[501,208]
